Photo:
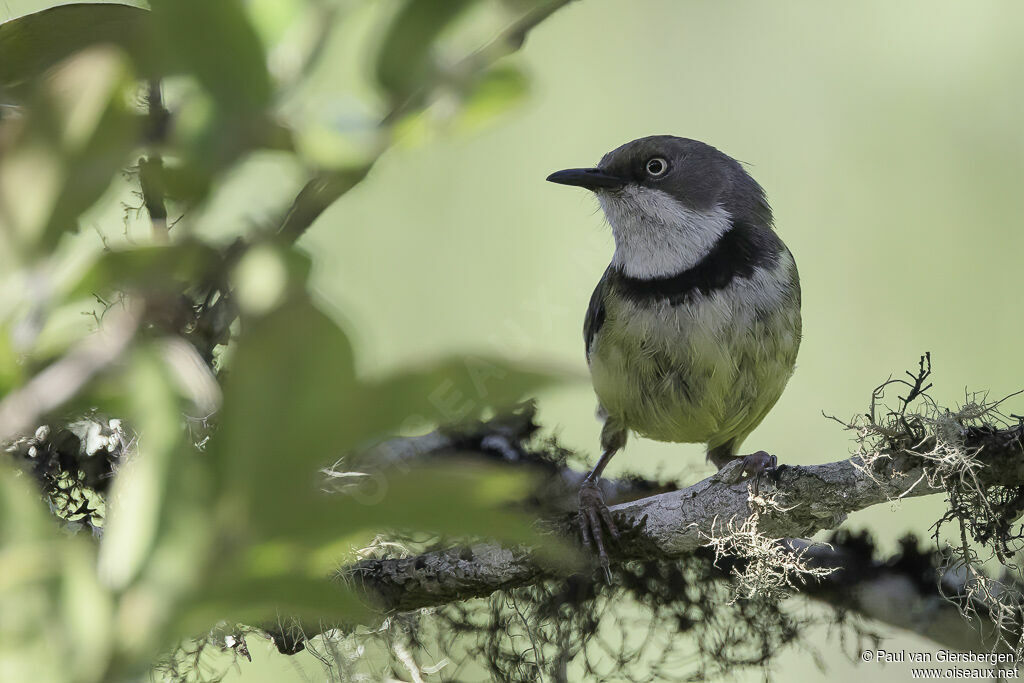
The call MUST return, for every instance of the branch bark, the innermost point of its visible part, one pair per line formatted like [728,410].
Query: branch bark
[801,501]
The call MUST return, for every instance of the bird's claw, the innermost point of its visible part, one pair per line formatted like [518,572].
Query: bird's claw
[758,464]
[592,514]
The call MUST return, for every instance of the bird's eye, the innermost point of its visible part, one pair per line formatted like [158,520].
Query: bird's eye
[656,167]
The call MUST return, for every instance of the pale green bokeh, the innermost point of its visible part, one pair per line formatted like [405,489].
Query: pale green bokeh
[889,139]
[887,134]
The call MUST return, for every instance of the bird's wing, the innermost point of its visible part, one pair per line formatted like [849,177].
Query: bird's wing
[595,314]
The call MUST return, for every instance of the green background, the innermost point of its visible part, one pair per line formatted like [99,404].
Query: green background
[888,136]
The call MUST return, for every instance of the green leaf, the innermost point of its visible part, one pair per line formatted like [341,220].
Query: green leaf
[23,519]
[167,268]
[403,59]
[76,136]
[292,405]
[281,401]
[496,92]
[454,498]
[189,541]
[138,500]
[87,614]
[54,608]
[449,390]
[254,600]
[214,41]
[32,44]
[272,19]
[11,367]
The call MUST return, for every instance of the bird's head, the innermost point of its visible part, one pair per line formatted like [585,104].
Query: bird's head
[669,200]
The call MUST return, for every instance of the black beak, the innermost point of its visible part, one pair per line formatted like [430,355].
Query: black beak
[590,178]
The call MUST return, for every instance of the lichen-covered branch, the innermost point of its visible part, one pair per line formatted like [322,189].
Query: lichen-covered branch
[923,595]
[801,501]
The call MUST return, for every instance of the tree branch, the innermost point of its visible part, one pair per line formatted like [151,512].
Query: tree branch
[800,502]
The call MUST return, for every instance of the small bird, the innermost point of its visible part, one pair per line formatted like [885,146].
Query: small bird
[692,333]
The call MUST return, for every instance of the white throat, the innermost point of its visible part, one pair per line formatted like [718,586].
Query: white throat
[656,236]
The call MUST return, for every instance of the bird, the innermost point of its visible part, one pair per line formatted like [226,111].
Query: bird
[692,332]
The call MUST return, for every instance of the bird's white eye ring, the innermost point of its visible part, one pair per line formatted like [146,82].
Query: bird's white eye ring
[656,166]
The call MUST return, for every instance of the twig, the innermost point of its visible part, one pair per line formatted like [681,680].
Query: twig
[151,167]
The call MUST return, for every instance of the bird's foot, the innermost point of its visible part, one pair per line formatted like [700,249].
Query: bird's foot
[756,465]
[592,514]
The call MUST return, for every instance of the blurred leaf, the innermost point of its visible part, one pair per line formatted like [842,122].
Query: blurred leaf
[138,495]
[455,498]
[449,390]
[216,42]
[179,563]
[184,181]
[10,368]
[403,59]
[273,18]
[292,404]
[23,517]
[260,280]
[53,608]
[282,577]
[86,611]
[254,600]
[32,44]
[497,91]
[64,154]
[282,400]
[164,268]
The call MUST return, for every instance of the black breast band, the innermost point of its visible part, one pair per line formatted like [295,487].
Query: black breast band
[738,252]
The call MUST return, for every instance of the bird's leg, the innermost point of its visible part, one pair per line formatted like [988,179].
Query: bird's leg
[593,511]
[592,508]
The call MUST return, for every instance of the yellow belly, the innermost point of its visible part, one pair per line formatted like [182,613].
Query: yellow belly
[674,380]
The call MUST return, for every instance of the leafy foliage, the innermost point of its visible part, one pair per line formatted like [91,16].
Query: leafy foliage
[187,428]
